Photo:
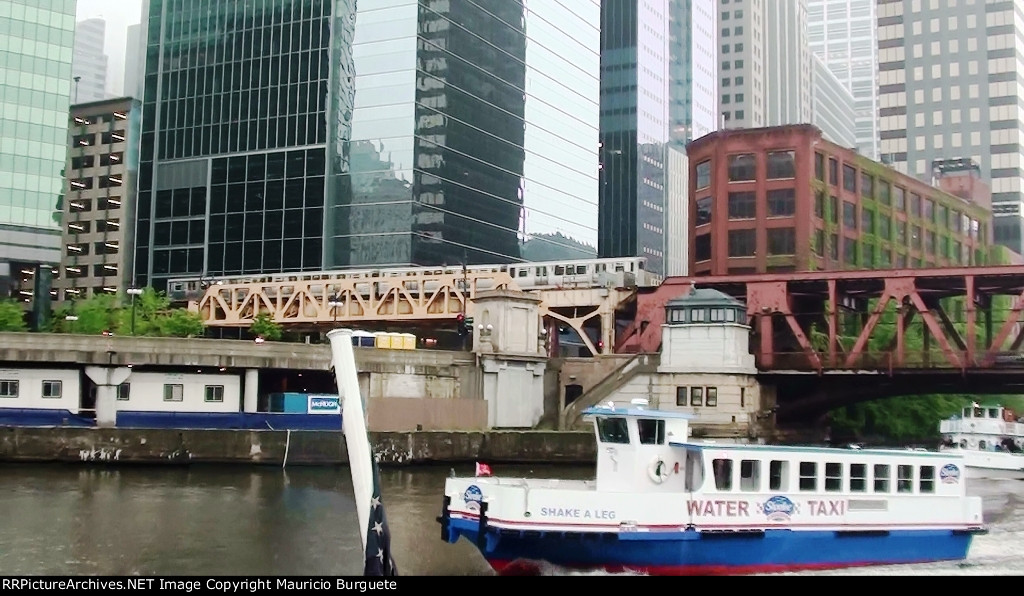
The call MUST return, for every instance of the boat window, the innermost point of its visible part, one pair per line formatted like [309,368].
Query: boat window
[613,430]
[905,480]
[808,475]
[723,473]
[694,470]
[652,431]
[882,478]
[778,475]
[858,478]
[982,445]
[750,475]
[833,476]
[977,413]
[926,484]
[993,413]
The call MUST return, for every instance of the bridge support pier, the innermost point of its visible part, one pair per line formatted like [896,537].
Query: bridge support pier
[251,385]
[107,379]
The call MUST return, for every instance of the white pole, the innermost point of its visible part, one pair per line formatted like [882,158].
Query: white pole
[353,423]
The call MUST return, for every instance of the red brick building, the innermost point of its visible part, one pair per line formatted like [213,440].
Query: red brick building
[783,199]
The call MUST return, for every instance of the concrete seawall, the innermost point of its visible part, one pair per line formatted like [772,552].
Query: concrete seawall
[177,447]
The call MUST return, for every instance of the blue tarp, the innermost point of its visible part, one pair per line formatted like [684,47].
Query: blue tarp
[228,420]
[42,417]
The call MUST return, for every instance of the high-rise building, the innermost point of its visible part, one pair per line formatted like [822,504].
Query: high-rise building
[99,210]
[134,60]
[89,65]
[308,134]
[36,46]
[634,129]
[843,33]
[693,70]
[834,106]
[948,88]
[765,67]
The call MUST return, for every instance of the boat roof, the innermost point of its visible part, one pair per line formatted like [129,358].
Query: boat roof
[802,449]
[635,412]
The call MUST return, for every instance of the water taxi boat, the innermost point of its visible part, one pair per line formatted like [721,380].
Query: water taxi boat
[989,438]
[661,504]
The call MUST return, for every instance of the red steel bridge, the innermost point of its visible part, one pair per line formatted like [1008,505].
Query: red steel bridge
[826,339]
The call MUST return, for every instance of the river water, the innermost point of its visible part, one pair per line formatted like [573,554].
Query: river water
[243,520]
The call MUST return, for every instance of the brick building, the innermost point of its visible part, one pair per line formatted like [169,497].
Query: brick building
[783,199]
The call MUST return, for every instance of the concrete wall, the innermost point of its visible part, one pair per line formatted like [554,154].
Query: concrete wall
[112,446]
[588,372]
[426,414]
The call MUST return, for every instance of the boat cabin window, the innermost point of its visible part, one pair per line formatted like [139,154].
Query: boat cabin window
[694,470]
[652,431]
[926,483]
[881,478]
[723,473]
[808,475]
[750,475]
[613,430]
[833,476]
[778,475]
[905,480]
[858,478]
[993,412]
[978,413]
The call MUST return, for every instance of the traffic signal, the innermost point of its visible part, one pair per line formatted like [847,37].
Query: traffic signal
[460,322]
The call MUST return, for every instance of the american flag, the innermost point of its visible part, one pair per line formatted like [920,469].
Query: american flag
[378,537]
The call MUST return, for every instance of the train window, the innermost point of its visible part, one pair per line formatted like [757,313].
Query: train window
[521,272]
[619,268]
[174,392]
[581,269]
[640,265]
[214,393]
[124,390]
[543,271]
[559,270]
[51,389]
[8,389]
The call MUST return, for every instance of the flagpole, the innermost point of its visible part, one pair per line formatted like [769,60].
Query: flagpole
[353,422]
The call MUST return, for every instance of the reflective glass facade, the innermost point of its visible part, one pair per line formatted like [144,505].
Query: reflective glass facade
[284,135]
[36,40]
[634,129]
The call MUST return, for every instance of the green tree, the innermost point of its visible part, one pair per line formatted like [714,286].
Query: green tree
[180,323]
[91,316]
[265,327]
[12,316]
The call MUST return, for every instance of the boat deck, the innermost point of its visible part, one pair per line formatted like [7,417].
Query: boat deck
[537,483]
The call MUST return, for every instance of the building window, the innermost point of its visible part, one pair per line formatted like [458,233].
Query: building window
[942,216]
[781,164]
[898,199]
[833,209]
[52,389]
[174,392]
[696,396]
[833,171]
[819,204]
[915,205]
[867,186]
[781,241]
[901,233]
[711,399]
[883,193]
[702,248]
[742,243]
[915,237]
[680,396]
[819,242]
[849,178]
[928,207]
[742,205]
[214,393]
[8,388]
[703,211]
[867,254]
[124,391]
[929,242]
[867,221]
[849,215]
[703,174]
[742,168]
[833,247]
[781,202]
[819,166]
[849,251]
[884,227]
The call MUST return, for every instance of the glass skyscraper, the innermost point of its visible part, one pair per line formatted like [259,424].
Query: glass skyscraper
[285,135]
[36,40]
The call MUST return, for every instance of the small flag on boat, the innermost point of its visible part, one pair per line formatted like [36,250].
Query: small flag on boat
[483,469]
[378,535]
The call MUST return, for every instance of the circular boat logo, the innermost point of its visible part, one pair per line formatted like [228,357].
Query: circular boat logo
[473,496]
[949,474]
[778,508]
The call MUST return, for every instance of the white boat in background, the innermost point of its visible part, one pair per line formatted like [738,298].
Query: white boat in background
[989,438]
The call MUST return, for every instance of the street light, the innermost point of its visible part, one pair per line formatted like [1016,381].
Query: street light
[334,302]
[133,292]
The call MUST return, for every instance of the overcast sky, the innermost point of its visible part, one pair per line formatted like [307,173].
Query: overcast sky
[118,14]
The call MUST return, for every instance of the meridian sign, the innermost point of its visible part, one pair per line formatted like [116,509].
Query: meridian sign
[323,404]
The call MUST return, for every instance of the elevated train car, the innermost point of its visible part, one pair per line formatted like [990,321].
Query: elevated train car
[614,272]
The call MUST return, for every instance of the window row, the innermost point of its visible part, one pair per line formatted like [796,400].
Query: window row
[102,204]
[743,243]
[106,138]
[89,182]
[50,389]
[83,162]
[102,225]
[100,270]
[831,477]
[779,165]
[176,392]
[698,396]
[99,248]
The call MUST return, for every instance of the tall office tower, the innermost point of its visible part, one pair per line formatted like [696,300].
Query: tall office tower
[89,63]
[634,129]
[948,89]
[309,134]
[38,45]
[134,61]
[768,79]
[834,106]
[693,70]
[844,34]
